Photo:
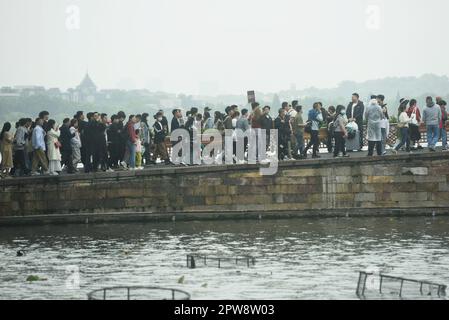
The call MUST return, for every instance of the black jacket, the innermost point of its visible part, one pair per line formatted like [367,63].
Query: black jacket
[159,132]
[165,125]
[65,138]
[357,113]
[283,128]
[266,122]
[175,124]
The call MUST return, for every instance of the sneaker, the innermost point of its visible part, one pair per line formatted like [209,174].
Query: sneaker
[110,170]
[123,164]
[35,174]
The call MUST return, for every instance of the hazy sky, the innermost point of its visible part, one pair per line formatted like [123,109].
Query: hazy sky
[220,46]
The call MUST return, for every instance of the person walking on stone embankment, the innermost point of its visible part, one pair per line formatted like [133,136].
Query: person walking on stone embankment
[403,125]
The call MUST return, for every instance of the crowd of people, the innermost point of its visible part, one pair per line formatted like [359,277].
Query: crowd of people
[129,142]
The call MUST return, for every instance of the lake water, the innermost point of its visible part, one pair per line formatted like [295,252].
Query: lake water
[295,259]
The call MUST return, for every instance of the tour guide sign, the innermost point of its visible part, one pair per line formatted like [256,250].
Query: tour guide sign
[251,96]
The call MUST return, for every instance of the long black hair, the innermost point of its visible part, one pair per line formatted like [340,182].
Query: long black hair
[6,128]
[51,124]
[145,118]
[338,110]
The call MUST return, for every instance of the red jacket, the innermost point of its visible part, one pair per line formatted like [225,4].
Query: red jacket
[131,132]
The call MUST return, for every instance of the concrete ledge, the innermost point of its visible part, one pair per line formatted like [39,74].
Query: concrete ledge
[96,218]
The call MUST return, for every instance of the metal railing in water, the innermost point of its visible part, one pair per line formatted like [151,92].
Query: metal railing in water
[138,293]
[192,260]
[397,285]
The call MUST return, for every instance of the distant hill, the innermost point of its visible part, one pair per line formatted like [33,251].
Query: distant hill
[394,88]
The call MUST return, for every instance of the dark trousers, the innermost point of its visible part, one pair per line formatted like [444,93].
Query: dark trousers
[147,153]
[19,163]
[103,156]
[122,150]
[283,148]
[330,137]
[268,139]
[371,145]
[66,159]
[314,141]
[115,154]
[361,131]
[92,158]
[96,157]
[83,151]
[340,144]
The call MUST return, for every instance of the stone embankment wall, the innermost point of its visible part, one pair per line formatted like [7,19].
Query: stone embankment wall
[405,184]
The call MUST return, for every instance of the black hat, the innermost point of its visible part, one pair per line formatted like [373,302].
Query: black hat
[207,109]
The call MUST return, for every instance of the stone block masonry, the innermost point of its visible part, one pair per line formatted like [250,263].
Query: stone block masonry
[415,184]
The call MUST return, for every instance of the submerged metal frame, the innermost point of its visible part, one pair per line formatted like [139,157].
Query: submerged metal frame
[128,289]
[191,260]
[361,284]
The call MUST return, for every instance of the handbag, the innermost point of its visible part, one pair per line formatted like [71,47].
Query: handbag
[308,127]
